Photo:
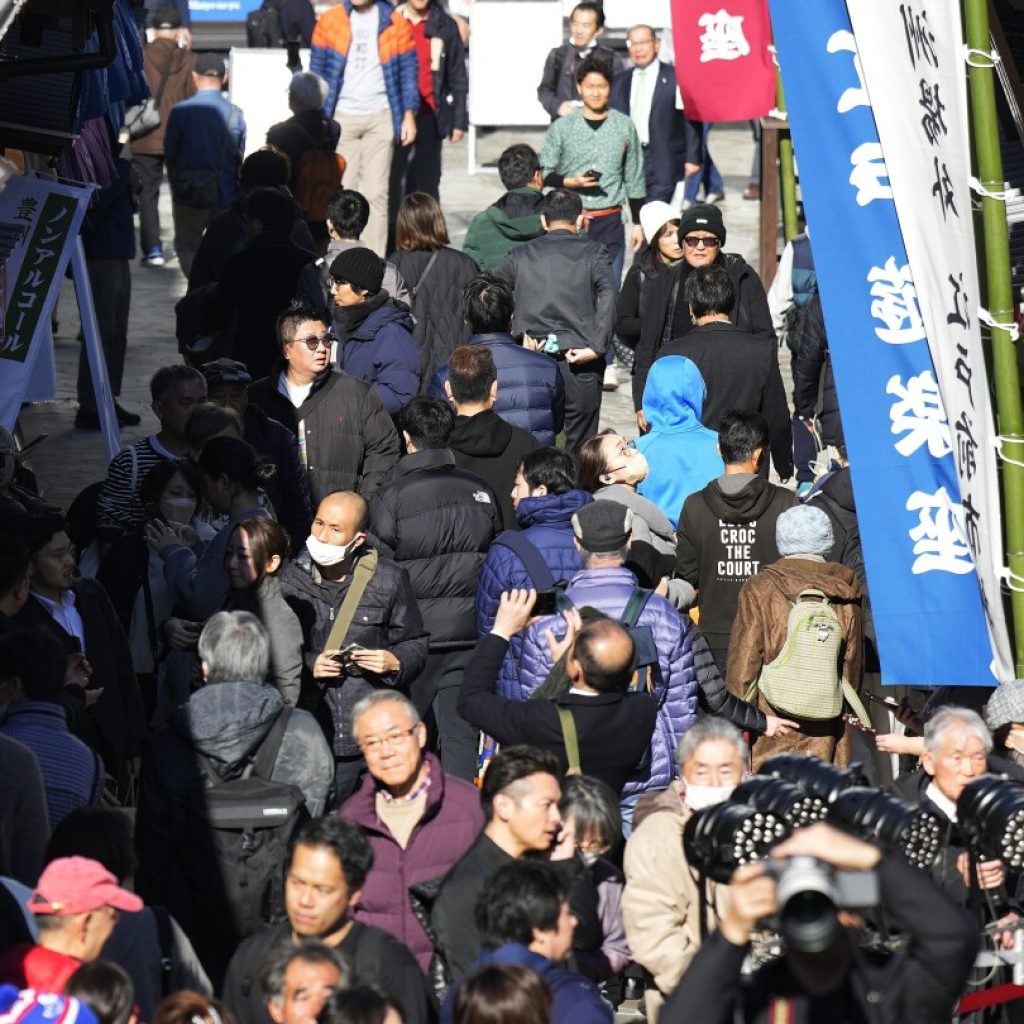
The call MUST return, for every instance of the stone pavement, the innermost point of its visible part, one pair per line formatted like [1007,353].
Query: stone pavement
[70,459]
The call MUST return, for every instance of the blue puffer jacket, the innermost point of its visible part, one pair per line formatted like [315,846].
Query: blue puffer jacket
[530,390]
[383,352]
[547,524]
[674,680]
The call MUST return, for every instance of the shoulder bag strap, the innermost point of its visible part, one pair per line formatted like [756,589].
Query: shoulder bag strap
[361,576]
[151,633]
[266,755]
[536,568]
[569,738]
[163,78]
[853,699]
[635,607]
[165,938]
[426,270]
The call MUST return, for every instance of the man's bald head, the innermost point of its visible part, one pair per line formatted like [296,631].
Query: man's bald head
[340,518]
[605,656]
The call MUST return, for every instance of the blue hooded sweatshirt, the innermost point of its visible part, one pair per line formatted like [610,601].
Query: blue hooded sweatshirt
[681,453]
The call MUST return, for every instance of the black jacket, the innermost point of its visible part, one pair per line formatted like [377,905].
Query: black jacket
[613,729]
[558,82]
[634,297]
[437,303]
[437,522]
[714,698]
[814,386]
[486,445]
[665,316]
[451,79]
[387,618]
[351,441]
[376,958]
[718,563]
[740,371]
[302,132]
[563,286]
[918,986]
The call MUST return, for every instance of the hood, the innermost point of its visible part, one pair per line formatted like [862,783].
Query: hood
[674,395]
[226,722]
[839,487]
[485,435]
[668,800]
[552,509]
[746,505]
[791,575]
[656,520]
[519,203]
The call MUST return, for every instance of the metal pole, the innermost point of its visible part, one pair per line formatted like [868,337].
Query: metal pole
[999,289]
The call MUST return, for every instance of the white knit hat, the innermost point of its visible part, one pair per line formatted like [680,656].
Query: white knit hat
[654,216]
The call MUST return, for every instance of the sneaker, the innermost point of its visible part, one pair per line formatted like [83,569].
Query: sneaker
[126,418]
[611,378]
[714,197]
[752,192]
[804,489]
[154,258]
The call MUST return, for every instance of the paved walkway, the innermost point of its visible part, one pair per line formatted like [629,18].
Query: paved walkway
[70,459]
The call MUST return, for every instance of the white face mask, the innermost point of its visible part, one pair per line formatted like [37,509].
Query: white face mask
[178,510]
[328,554]
[699,797]
[589,857]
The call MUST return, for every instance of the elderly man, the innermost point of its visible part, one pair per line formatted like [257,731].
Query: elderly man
[297,981]
[360,623]
[75,904]
[419,820]
[662,904]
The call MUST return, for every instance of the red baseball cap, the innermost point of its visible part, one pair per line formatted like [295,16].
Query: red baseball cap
[78,885]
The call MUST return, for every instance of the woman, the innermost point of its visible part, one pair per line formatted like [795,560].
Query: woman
[257,548]
[436,275]
[107,990]
[503,994]
[359,1004]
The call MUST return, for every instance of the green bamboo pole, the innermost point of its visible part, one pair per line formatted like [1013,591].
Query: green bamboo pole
[787,172]
[999,289]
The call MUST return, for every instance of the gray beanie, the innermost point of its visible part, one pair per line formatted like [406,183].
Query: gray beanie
[803,530]
[1006,705]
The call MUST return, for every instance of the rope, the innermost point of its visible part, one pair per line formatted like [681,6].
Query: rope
[988,58]
[1011,328]
[1002,195]
[998,441]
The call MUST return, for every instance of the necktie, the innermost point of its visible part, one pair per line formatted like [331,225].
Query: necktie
[640,112]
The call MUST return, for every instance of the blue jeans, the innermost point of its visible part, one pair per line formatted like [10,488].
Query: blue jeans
[708,175]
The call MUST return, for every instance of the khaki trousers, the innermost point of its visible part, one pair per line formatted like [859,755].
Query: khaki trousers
[366,143]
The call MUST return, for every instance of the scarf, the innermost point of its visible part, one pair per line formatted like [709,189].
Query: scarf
[348,319]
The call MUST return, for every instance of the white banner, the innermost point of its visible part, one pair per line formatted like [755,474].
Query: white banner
[912,66]
[39,222]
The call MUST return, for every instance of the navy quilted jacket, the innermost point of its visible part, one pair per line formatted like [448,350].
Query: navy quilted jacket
[674,678]
[547,524]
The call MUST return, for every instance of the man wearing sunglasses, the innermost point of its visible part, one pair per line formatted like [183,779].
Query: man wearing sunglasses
[666,316]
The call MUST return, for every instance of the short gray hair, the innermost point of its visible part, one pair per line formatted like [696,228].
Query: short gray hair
[376,697]
[640,27]
[234,647]
[707,730]
[306,92]
[311,951]
[949,718]
[619,554]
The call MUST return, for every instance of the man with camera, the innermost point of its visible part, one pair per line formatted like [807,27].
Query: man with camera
[830,979]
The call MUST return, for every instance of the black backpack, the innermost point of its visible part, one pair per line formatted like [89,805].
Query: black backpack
[251,821]
[263,26]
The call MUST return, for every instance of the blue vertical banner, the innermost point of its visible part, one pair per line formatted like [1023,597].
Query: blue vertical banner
[925,598]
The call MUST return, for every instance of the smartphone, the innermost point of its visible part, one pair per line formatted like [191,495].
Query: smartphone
[345,654]
[887,701]
[547,602]
[592,174]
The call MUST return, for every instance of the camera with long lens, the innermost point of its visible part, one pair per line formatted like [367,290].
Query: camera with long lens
[990,812]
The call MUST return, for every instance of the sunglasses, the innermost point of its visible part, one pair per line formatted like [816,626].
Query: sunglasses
[315,341]
[695,242]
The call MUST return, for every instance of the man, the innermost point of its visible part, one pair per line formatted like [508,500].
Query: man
[221,730]
[175,391]
[24,824]
[346,438]
[531,394]
[513,218]
[443,87]
[565,306]
[437,522]
[324,876]
[203,147]
[75,905]
[520,795]
[299,979]
[649,96]
[613,727]
[481,441]
[348,213]
[227,385]
[727,530]
[921,983]
[525,919]
[419,819]
[740,369]
[662,904]
[815,399]
[557,89]
[366,52]
[168,70]
[383,643]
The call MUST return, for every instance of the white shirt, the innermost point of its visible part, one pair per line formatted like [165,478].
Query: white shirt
[941,801]
[641,115]
[295,393]
[362,90]
[65,614]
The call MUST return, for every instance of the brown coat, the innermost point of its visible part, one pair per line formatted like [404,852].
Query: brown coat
[759,631]
[180,85]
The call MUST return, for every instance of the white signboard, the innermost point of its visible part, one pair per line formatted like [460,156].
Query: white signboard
[258,82]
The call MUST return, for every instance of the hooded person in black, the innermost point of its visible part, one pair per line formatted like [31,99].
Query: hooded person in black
[482,441]
[726,531]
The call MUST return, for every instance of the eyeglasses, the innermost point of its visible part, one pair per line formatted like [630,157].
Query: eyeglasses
[314,341]
[374,744]
[696,241]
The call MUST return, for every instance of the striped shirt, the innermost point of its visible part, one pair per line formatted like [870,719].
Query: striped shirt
[118,507]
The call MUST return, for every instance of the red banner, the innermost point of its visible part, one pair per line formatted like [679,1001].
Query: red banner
[723,63]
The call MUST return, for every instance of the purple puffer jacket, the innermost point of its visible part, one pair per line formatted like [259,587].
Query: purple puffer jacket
[450,824]
[547,522]
[674,679]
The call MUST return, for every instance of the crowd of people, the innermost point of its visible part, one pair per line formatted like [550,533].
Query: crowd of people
[380,684]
